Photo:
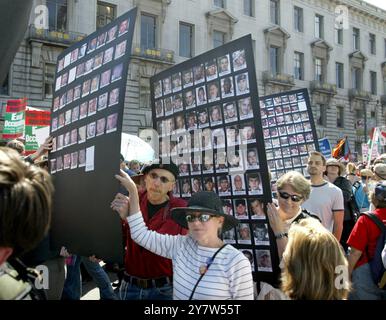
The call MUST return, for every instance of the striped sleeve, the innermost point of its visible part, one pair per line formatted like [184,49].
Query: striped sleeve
[162,244]
[240,276]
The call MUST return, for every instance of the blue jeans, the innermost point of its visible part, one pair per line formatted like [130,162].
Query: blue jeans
[363,285]
[132,292]
[72,287]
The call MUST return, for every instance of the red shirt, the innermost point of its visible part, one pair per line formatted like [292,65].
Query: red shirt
[364,236]
[140,262]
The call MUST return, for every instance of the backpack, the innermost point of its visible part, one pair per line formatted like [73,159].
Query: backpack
[378,270]
[354,209]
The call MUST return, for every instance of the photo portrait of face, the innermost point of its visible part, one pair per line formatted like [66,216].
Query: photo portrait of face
[66,161]
[209,184]
[244,233]
[77,91]
[239,61]
[191,120]
[238,184]
[203,119]
[221,161]
[185,187]
[227,87]
[190,100]
[247,133]
[54,124]
[112,122]
[245,108]
[176,82]
[257,209]
[177,103]
[196,185]
[264,260]
[159,110]
[215,115]
[242,84]
[114,96]
[123,27]
[82,134]
[180,123]
[233,137]
[101,123]
[201,95]
[66,141]
[105,78]
[252,158]
[74,160]
[92,45]
[213,91]
[235,161]
[224,65]
[68,117]
[254,183]
[74,136]
[211,70]
[223,185]
[102,101]
[92,105]
[86,88]
[82,158]
[218,138]
[120,49]
[89,66]
[167,85]
[198,73]
[207,164]
[229,236]
[111,34]
[230,113]
[241,209]
[260,233]
[70,95]
[187,78]
[117,72]
[98,60]
[91,130]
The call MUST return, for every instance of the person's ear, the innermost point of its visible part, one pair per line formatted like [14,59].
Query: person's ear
[5,253]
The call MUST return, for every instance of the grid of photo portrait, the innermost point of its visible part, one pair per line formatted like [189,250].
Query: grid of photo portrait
[288,132]
[205,120]
[86,96]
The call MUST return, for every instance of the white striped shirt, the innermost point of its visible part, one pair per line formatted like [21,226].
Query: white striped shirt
[229,277]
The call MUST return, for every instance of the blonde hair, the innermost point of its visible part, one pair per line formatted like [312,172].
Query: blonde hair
[296,181]
[310,261]
[351,168]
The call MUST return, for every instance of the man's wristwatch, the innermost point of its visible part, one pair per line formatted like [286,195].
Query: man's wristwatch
[281,235]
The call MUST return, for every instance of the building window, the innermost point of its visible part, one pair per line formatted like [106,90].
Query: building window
[57,15]
[218,38]
[4,87]
[322,115]
[373,82]
[319,70]
[106,13]
[372,44]
[49,76]
[248,8]
[219,3]
[356,38]
[275,11]
[148,32]
[356,78]
[338,35]
[298,19]
[339,68]
[186,40]
[340,117]
[299,65]
[274,60]
[319,26]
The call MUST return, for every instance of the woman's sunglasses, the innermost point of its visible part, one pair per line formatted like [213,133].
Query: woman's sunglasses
[201,217]
[293,197]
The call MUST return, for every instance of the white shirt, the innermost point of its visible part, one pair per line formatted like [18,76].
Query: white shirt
[324,200]
[229,277]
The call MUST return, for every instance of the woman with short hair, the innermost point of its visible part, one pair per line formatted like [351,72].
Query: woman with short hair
[203,266]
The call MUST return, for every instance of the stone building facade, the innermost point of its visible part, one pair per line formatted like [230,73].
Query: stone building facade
[336,49]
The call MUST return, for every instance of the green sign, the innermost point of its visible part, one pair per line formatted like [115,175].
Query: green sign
[31,144]
[13,125]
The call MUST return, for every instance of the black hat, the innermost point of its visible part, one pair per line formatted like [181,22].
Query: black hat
[204,201]
[171,167]
[380,191]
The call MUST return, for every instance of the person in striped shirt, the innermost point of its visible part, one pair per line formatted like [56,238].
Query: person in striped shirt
[203,267]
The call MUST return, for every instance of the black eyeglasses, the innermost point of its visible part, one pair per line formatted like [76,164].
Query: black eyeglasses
[293,197]
[155,176]
[201,217]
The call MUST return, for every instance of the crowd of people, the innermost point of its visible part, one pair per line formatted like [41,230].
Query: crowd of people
[328,232]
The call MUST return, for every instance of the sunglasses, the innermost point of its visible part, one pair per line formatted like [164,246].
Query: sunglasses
[293,197]
[201,217]
[155,176]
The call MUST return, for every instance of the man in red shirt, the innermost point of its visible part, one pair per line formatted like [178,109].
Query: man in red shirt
[363,240]
[148,276]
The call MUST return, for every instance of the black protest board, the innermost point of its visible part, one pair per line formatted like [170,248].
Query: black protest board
[289,131]
[206,113]
[87,114]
